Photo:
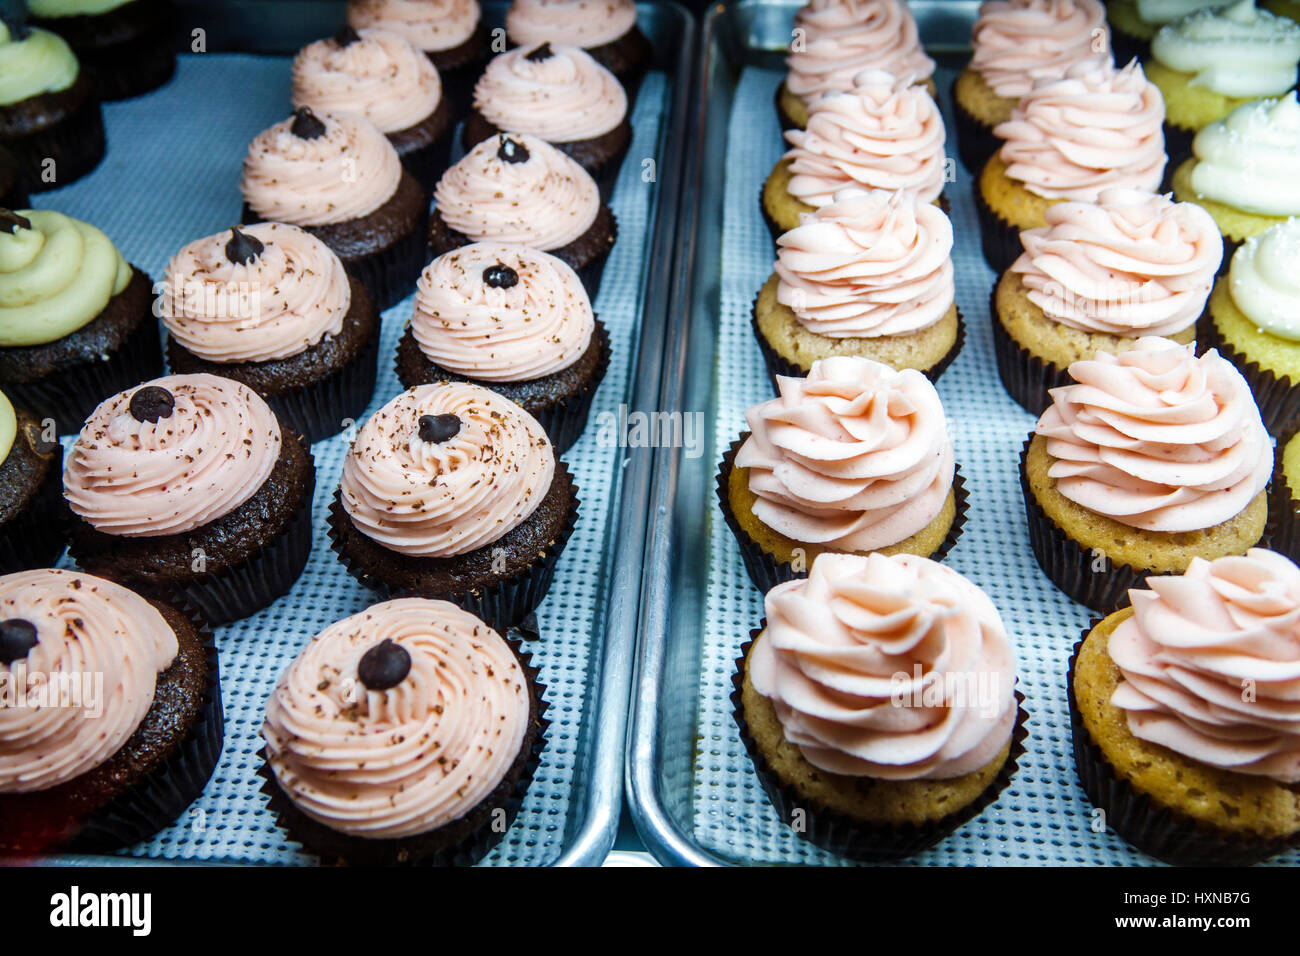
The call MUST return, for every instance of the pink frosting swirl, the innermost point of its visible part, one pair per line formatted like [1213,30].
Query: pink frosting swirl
[869,264]
[287,299]
[385,764]
[855,457]
[1019,41]
[380,76]
[835,40]
[547,201]
[539,325]
[558,93]
[584,23]
[1095,128]
[1158,438]
[1131,264]
[99,651]
[430,499]
[896,668]
[346,173]
[1194,645]
[201,462]
[884,134]
[431,25]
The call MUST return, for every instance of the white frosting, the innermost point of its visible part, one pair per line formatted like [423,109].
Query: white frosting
[1250,159]
[1167,11]
[1238,51]
[1265,280]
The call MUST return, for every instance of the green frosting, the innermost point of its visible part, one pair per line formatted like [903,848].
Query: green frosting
[8,427]
[55,277]
[41,63]
[72,8]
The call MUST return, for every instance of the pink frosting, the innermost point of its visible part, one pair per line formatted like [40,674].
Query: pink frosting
[145,479]
[380,76]
[884,134]
[385,764]
[345,174]
[869,264]
[896,668]
[835,40]
[1131,264]
[1096,128]
[540,325]
[1196,643]
[1019,41]
[102,644]
[562,98]
[432,499]
[1158,438]
[431,25]
[287,299]
[546,202]
[855,457]
[584,23]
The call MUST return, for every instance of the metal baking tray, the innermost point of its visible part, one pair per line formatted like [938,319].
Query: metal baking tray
[572,812]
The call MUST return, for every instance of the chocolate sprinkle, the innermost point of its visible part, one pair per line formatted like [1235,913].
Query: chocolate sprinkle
[383,666]
[511,151]
[306,124]
[17,638]
[438,428]
[18,28]
[11,222]
[151,403]
[542,52]
[500,276]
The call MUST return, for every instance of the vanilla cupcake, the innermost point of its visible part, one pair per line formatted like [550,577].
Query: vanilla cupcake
[606,29]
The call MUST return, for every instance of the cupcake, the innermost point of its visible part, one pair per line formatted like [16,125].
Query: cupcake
[1134,23]
[451,491]
[1284,498]
[1253,320]
[128,45]
[1017,42]
[12,193]
[1183,712]
[84,327]
[878,703]
[884,134]
[30,532]
[378,74]
[606,29]
[514,320]
[521,190]
[270,306]
[50,117]
[451,712]
[835,40]
[856,458]
[871,275]
[1069,139]
[1208,64]
[559,94]
[1154,457]
[188,485]
[1097,278]
[131,725]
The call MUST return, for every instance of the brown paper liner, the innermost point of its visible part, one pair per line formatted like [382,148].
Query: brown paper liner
[1178,146]
[1283,508]
[33,538]
[784,118]
[1025,376]
[975,140]
[1278,398]
[999,239]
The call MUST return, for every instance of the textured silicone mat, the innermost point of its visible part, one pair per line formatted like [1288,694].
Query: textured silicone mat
[172,175]
[1043,818]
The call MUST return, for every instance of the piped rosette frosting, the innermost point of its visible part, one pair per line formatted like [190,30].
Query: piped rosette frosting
[896,668]
[1236,51]
[444,498]
[854,457]
[883,134]
[584,23]
[387,762]
[1131,264]
[1096,128]
[1193,648]
[98,650]
[1019,41]
[1264,280]
[470,322]
[869,264]
[201,461]
[1250,159]
[431,25]
[282,301]
[558,93]
[1158,438]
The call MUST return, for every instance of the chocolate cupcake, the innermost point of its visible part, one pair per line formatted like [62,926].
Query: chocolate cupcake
[522,190]
[119,750]
[31,533]
[12,193]
[85,328]
[340,178]
[451,710]
[128,45]
[606,29]
[451,491]
[189,487]
[514,320]
[272,307]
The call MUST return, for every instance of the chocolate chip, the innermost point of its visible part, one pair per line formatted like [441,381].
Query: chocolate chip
[346,36]
[18,28]
[306,124]
[512,151]
[11,222]
[243,248]
[539,53]
[151,403]
[500,276]
[438,428]
[383,666]
[17,638]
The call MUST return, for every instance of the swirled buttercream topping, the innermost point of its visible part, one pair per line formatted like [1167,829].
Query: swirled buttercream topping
[557,93]
[8,426]
[890,667]
[1158,438]
[1195,643]
[443,498]
[1250,159]
[35,63]
[1264,280]
[198,463]
[869,264]
[1096,128]
[584,23]
[1237,51]
[1167,11]
[1131,264]
[835,40]
[855,457]
[1019,41]
[76,697]
[431,25]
